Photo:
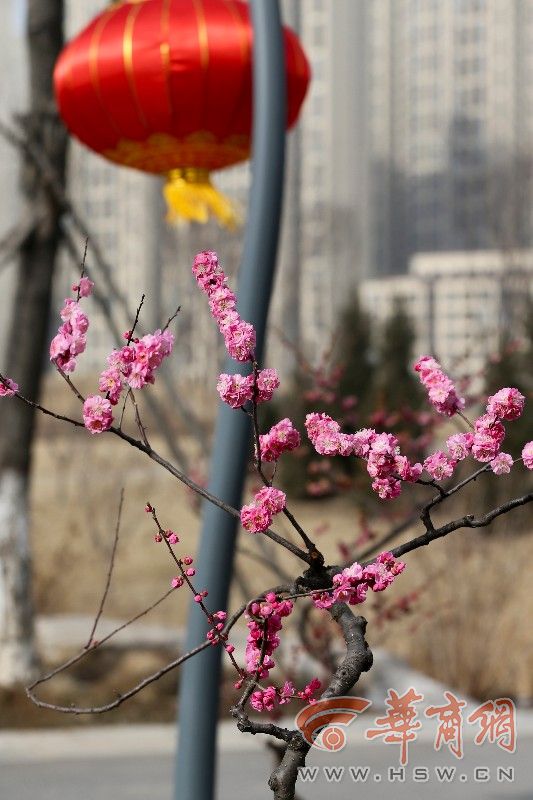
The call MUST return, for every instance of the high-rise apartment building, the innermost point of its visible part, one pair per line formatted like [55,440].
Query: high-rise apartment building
[465,306]
[450,115]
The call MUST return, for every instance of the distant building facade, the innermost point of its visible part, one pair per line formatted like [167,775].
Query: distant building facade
[450,114]
[462,304]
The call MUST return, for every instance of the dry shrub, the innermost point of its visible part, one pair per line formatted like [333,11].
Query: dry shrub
[472,628]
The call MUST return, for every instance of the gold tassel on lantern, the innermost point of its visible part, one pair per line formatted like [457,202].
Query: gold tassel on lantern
[190,195]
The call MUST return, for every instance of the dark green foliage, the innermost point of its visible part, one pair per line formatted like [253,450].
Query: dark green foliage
[397,385]
[359,386]
[353,353]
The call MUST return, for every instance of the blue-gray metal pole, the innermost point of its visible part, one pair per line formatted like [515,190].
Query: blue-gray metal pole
[200,677]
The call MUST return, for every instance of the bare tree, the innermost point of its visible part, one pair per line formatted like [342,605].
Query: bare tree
[25,351]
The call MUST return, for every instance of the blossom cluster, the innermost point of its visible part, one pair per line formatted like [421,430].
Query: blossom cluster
[8,387]
[352,584]
[239,336]
[385,464]
[71,338]
[236,390]
[257,516]
[214,635]
[265,622]
[441,390]
[381,451]
[267,699]
[281,438]
[134,365]
[484,444]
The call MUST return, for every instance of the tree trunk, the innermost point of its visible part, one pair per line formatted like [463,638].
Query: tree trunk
[26,346]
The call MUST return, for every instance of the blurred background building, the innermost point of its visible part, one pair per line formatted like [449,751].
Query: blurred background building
[465,305]
[450,116]
[410,171]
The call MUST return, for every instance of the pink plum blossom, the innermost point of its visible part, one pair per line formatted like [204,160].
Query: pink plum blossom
[485,447]
[264,699]
[280,439]
[70,340]
[84,287]
[239,338]
[273,499]
[286,692]
[382,572]
[308,692]
[506,404]
[502,464]
[257,516]
[110,384]
[407,471]
[527,455]
[352,584]
[362,441]
[441,391]
[271,611]
[235,390]
[267,383]
[460,445]
[239,335]
[97,415]
[8,387]
[387,488]
[439,465]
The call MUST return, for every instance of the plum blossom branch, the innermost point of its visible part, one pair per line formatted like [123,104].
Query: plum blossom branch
[314,552]
[135,321]
[73,709]
[468,521]
[169,467]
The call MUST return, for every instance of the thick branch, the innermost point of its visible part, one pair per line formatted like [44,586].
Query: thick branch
[468,521]
[358,659]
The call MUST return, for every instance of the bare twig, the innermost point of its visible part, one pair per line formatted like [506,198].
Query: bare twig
[135,689]
[173,470]
[140,426]
[109,571]
[82,273]
[135,321]
[70,383]
[172,318]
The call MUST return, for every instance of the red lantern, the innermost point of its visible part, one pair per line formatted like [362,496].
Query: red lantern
[165,86]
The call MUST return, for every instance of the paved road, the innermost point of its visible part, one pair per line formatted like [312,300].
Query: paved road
[110,766]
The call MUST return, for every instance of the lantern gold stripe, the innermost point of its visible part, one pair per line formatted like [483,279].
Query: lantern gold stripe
[127,57]
[94,49]
[164,49]
[202,34]
[231,6]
